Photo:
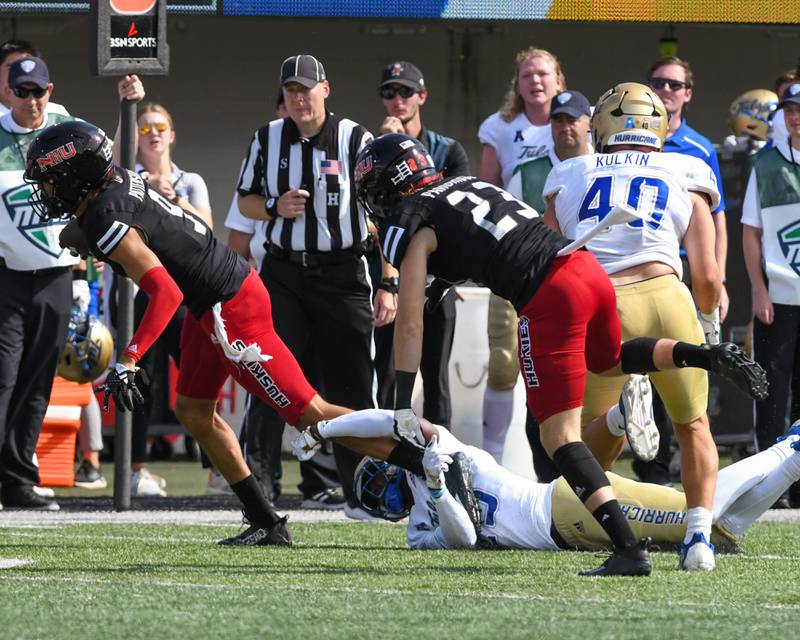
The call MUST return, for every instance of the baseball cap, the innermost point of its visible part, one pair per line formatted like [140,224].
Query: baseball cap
[303,68]
[573,103]
[28,71]
[791,94]
[403,73]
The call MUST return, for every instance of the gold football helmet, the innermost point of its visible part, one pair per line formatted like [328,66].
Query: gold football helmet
[88,351]
[629,113]
[751,113]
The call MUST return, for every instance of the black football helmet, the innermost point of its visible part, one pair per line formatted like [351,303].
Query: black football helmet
[72,158]
[389,167]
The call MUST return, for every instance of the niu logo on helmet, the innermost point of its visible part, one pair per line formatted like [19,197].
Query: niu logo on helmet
[56,156]
[363,168]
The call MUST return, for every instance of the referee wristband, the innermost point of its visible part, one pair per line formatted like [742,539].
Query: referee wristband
[392,285]
[271,208]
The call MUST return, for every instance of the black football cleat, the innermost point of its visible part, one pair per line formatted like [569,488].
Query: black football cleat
[634,561]
[728,360]
[278,536]
[459,483]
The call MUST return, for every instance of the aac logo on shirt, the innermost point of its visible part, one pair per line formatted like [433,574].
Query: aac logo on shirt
[41,233]
[789,240]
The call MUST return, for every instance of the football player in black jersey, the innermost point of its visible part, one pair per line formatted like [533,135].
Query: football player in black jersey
[173,256]
[466,229]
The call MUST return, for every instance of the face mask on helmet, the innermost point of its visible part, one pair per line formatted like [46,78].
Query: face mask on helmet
[379,488]
[88,351]
[751,113]
[629,114]
[388,168]
[65,163]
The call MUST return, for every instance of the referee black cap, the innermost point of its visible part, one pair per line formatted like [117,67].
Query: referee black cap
[403,73]
[303,68]
[573,103]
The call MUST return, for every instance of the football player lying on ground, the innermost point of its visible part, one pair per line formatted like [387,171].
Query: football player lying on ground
[173,256]
[465,499]
[466,229]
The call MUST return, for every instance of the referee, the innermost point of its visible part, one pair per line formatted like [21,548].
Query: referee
[298,175]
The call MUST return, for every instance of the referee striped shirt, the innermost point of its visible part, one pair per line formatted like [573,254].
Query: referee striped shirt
[280,159]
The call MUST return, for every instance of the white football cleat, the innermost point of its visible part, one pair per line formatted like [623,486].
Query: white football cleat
[697,554]
[636,405]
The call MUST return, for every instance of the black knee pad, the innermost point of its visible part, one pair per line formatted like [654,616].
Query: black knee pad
[580,469]
[637,355]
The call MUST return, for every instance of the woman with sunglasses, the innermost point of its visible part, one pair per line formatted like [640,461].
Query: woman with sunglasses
[156,139]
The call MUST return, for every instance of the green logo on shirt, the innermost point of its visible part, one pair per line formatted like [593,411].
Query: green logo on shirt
[789,239]
[38,232]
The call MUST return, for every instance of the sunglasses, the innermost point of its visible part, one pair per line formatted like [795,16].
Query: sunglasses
[146,128]
[674,85]
[388,93]
[22,92]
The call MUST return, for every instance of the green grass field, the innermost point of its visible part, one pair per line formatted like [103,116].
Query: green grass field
[359,580]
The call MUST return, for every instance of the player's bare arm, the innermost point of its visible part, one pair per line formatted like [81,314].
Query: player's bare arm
[490,171]
[699,244]
[411,301]
[550,220]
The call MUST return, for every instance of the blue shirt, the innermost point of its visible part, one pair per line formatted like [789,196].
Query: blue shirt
[687,140]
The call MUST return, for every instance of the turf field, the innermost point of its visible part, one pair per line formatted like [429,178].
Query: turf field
[64,577]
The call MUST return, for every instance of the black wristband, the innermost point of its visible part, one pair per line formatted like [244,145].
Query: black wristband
[403,388]
[79,274]
[392,285]
[271,208]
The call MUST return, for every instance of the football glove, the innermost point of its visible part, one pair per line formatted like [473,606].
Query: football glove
[434,464]
[121,384]
[81,296]
[407,426]
[710,324]
[306,445]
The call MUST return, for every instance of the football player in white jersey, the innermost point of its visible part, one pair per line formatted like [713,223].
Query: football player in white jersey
[676,192]
[507,511]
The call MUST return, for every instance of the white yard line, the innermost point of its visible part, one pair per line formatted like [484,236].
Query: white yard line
[472,595]
[55,533]
[13,563]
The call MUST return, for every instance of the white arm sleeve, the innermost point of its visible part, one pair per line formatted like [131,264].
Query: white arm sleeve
[369,423]
[454,523]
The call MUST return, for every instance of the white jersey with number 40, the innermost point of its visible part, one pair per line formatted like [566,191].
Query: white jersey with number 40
[657,185]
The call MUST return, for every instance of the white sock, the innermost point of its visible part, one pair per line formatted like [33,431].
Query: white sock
[778,467]
[698,519]
[615,421]
[498,407]
[368,423]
